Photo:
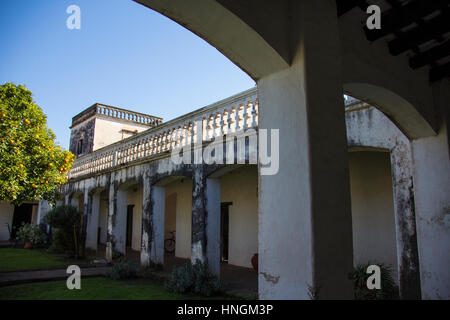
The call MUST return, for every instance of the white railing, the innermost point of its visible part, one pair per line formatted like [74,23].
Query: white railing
[229,116]
[122,114]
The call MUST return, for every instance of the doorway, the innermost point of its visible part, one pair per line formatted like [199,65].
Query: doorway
[129,225]
[22,214]
[224,230]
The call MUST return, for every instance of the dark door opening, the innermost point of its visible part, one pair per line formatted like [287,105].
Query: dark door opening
[99,232]
[129,224]
[22,214]
[224,230]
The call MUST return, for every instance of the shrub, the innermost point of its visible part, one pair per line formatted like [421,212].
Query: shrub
[123,270]
[193,278]
[67,222]
[31,233]
[388,291]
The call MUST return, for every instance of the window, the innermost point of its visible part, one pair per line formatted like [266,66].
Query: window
[80,147]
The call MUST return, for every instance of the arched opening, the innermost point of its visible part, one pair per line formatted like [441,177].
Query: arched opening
[238,226]
[125,221]
[97,222]
[401,111]
[177,220]
[77,200]
[373,212]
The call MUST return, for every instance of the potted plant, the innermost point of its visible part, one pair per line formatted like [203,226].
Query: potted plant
[30,235]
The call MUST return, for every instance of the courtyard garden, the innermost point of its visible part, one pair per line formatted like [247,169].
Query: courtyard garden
[124,280]
[17,259]
[98,288]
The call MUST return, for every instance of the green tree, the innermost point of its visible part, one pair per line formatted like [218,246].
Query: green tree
[32,165]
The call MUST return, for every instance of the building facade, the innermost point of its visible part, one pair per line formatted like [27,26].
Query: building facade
[135,192]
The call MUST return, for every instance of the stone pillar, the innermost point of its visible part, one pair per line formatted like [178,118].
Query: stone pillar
[405,222]
[213,224]
[84,221]
[432,200]
[92,220]
[153,213]
[67,199]
[117,221]
[159,210]
[305,224]
[198,214]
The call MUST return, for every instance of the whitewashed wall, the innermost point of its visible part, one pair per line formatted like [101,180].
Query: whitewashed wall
[373,216]
[103,220]
[170,223]
[240,188]
[183,206]
[135,198]
[108,131]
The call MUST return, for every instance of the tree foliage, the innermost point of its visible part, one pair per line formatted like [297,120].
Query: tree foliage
[32,165]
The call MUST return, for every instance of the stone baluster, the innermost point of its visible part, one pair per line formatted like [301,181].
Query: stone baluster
[236,118]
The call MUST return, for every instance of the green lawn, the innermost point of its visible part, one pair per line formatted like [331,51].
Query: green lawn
[12,259]
[93,289]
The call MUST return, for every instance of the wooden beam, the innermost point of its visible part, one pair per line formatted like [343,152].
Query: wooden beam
[421,34]
[344,6]
[440,72]
[396,18]
[430,56]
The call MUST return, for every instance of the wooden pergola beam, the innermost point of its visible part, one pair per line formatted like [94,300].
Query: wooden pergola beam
[430,56]
[427,31]
[396,18]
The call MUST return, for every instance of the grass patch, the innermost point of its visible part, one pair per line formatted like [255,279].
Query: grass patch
[94,289]
[12,259]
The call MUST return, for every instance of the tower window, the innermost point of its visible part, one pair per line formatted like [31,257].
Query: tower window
[80,147]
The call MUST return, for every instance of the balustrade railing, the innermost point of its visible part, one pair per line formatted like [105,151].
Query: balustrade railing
[229,116]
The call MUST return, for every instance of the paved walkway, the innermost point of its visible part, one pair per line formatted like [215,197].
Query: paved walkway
[10,278]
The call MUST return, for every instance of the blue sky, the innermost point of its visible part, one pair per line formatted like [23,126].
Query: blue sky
[125,55]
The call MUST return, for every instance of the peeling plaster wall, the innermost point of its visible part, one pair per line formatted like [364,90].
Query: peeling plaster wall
[85,131]
[6,216]
[240,188]
[373,217]
[43,208]
[368,129]
[432,190]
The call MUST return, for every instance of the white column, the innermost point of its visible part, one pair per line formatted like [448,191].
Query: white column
[305,226]
[92,221]
[432,200]
[159,209]
[153,214]
[117,221]
[213,224]
[198,242]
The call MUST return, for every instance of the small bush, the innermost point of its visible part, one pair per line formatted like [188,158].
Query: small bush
[66,221]
[193,278]
[31,233]
[388,291]
[123,270]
